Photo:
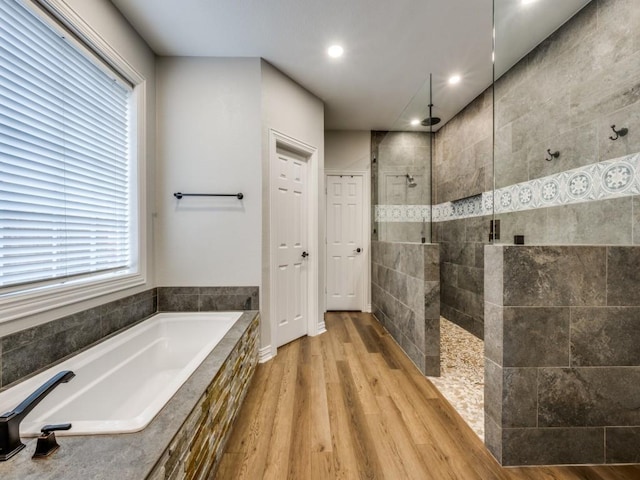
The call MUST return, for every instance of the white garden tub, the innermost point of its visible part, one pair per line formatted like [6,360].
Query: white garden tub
[123,382]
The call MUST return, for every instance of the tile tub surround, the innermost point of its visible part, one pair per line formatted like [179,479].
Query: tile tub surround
[29,351]
[207,299]
[406,299]
[562,368]
[139,455]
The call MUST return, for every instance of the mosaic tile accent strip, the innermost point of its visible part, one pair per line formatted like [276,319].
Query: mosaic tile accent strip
[599,181]
[402,213]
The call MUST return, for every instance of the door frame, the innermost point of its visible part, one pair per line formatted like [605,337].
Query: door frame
[314,325]
[366,229]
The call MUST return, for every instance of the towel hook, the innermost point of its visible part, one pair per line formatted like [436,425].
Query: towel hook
[619,133]
[553,155]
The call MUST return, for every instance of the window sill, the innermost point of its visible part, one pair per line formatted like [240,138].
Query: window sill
[18,305]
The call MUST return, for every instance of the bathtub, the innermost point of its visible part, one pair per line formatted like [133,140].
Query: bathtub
[123,382]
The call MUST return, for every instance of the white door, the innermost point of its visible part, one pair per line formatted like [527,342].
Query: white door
[291,276]
[345,245]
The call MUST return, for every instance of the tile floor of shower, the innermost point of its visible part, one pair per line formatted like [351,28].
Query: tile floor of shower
[461,378]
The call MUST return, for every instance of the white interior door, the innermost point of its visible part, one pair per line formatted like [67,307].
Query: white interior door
[291,276]
[345,245]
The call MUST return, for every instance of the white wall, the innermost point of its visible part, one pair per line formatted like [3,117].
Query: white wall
[347,150]
[291,110]
[105,20]
[209,117]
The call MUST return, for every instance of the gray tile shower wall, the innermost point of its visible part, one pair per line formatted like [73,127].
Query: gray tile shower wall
[562,377]
[564,95]
[28,351]
[406,298]
[462,271]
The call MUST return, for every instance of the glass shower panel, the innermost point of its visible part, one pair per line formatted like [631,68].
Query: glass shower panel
[567,121]
[401,175]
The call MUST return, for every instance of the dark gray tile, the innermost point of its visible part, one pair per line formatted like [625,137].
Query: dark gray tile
[605,336]
[432,337]
[494,274]
[536,336]
[219,303]
[622,444]
[623,273]
[588,396]
[605,222]
[431,300]
[493,388]
[413,352]
[554,276]
[552,446]
[168,302]
[432,366]
[519,397]
[472,279]
[493,438]
[530,223]
[414,295]
[431,263]
[449,274]
[493,333]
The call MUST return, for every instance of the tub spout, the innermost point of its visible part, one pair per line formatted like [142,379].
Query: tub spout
[10,443]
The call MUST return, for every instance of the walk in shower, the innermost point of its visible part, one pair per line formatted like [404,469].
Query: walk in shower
[533,204]
[562,309]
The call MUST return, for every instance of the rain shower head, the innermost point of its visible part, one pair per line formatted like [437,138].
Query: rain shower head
[430,121]
[410,181]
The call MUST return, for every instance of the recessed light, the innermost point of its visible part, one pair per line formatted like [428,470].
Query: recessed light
[454,79]
[415,122]
[335,51]
[527,2]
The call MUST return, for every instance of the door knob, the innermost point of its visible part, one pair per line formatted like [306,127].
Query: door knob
[358,250]
[305,254]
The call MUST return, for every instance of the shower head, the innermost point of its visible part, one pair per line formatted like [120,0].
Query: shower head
[410,181]
[430,121]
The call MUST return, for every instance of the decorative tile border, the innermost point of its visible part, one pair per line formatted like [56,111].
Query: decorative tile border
[402,213]
[610,179]
[599,181]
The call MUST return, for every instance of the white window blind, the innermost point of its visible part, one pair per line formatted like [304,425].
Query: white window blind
[64,156]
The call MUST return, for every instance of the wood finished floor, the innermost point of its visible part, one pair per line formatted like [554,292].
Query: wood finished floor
[349,404]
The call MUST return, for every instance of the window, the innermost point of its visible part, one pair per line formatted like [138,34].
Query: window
[67,194]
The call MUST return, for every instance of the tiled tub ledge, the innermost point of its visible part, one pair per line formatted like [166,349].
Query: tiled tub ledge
[185,440]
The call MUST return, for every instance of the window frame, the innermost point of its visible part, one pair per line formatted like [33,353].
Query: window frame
[30,299]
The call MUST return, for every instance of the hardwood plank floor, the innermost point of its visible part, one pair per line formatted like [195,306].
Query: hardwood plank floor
[350,405]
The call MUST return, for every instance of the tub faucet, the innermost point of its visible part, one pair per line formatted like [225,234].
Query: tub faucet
[10,443]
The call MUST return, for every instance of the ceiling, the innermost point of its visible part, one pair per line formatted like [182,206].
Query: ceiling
[390,47]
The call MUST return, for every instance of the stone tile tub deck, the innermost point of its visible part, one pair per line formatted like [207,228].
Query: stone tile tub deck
[185,440]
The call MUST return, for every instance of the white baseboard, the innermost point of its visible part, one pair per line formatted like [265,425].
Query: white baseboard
[368,308]
[265,354]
